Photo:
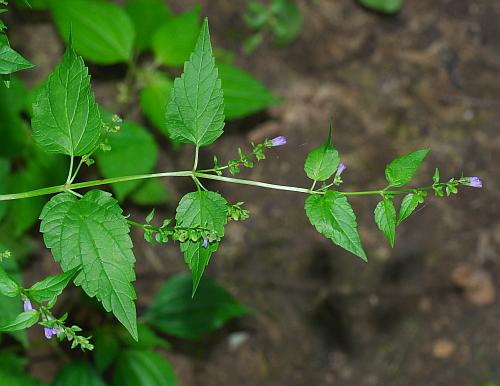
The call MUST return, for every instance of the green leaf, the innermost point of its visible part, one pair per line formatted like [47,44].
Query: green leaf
[201,209]
[174,41]
[11,61]
[147,16]
[409,204]
[322,162]
[4,184]
[154,98]
[51,287]
[152,192]
[133,151]
[332,215]
[22,321]
[148,339]
[102,32]
[195,113]
[287,22]
[106,348]
[385,218]
[174,312]
[66,118]
[402,170]
[143,368]
[78,373]
[384,6]
[92,233]
[13,372]
[243,94]
[8,287]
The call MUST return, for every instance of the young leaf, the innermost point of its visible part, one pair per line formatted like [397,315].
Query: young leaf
[322,162]
[154,98]
[385,218]
[174,312]
[384,6]
[175,39]
[147,16]
[131,142]
[141,367]
[201,209]
[92,233]
[195,113]
[101,31]
[243,94]
[332,215]
[409,204]
[401,170]
[11,61]
[78,373]
[65,115]
[8,287]
[51,287]
[22,321]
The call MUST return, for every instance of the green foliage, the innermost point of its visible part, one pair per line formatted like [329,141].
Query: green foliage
[385,218]
[51,287]
[152,192]
[22,321]
[8,287]
[201,209]
[409,204]
[11,61]
[174,312]
[332,215]
[78,373]
[13,373]
[243,94]
[66,118]
[4,186]
[133,151]
[322,162]
[384,6]
[195,113]
[401,171]
[147,16]
[107,348]
[154,98]
[174,41]
[102,32]
[92,233]
[143,368]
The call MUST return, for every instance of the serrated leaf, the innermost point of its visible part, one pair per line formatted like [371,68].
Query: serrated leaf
[195,113]
[154,98]
[408,205]
[133,151]
[102,32]
[143,368]
[174,312]
[384,6]
[22,321]
[332,215]
[78,373]
[322,162]
[175,39]
[92,233]
[66,118]
[201,209]
[147,16]
[402,170]
[51,287]
[243,94]
[385,218]
[11,61]
[8,287]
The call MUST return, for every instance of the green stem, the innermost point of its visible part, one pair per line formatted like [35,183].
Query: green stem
[196,155]
[70,172]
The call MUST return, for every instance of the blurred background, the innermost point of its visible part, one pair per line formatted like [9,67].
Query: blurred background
[423,313]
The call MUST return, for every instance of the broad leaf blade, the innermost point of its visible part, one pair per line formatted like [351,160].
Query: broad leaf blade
[385,218]
[11,61]
[154,99]
[22,321]
[51,287]
[78,373]
[195,113]
[322,162]
[8,287]
[92,233]
[66,118]
[402,170]
[174,312]
[332,215]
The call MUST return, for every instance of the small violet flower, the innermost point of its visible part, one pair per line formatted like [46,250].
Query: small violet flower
[50,332]
[475,182]
[340,169]
[278,141]
[27,305]
[205,243]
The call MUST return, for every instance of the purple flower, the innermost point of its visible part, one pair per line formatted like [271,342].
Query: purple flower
[340,169]
[278,141]
[27,305]
[205,243]
[50,332]
[475,182]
